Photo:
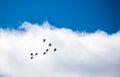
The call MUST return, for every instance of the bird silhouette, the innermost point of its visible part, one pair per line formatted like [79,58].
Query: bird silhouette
[31,57]
[31,54]
[36,53]
[47,50]
[44,53]
[55,49]
[44,40]
[50,44]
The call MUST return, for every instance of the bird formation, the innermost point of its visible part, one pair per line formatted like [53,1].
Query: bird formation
[33,54]
[45,52]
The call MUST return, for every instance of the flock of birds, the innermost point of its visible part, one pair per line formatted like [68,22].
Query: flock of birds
[35,54]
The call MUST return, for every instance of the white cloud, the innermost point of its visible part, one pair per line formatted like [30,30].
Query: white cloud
[78,55]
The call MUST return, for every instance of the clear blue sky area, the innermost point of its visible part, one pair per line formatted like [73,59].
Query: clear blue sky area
[80,15]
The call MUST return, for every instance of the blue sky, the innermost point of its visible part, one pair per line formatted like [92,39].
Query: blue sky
[80,15]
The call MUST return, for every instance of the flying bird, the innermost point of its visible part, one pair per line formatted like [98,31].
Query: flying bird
[44,53]
[47,50]
[44,40]
[31,57]
[36,53]
[31,54]
[55,49]
[50,44]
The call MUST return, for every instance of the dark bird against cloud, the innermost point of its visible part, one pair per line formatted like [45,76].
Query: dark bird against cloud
[31,57]
[36,53]
[55,49]
[50,44]
[47,50]
[31,54]
[44,40]
[44,53]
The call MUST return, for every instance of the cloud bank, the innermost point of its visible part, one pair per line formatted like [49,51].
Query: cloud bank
[78,54]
